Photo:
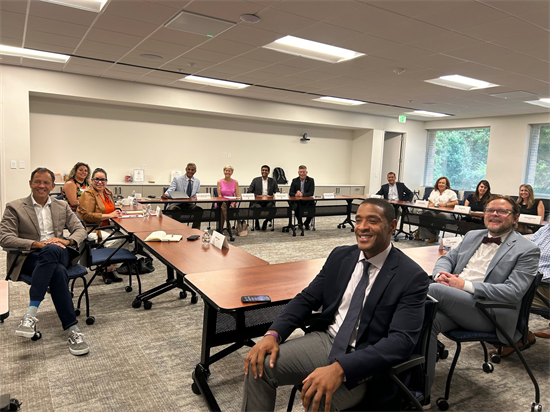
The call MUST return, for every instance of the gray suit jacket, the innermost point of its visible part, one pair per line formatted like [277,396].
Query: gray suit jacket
[19,227]
[509,275]
[256,186]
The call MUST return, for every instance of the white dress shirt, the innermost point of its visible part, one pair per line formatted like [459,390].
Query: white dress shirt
[44,215]
[392,192]
[447,196]
[376,264]
[264,186]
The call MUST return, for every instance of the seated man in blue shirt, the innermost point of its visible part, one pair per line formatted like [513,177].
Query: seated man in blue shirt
[190,185]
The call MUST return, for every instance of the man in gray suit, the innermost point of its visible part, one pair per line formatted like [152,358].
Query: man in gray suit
[35,224]
[496,264]
[263,186]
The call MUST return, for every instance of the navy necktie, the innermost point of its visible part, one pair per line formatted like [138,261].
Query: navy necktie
[189,187]
[343,337]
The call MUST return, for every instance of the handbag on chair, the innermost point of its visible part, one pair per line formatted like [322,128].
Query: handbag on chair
[242,228]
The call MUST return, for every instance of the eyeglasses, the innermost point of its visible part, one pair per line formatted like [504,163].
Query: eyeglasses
[99,180]
[500,212]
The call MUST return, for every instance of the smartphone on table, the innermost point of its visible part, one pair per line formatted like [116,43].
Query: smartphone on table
[255,299]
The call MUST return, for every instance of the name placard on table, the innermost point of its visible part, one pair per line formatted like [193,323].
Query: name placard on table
[280,196]
[328,195]
[533,219]
[422,203]
[248,196]
[462,209]
[218,240]
[375,196]
[204,196]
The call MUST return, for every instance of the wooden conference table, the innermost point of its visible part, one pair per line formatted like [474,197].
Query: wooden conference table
[228,321]
[253,213]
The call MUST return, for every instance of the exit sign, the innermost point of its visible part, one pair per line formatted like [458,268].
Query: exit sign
[402,118]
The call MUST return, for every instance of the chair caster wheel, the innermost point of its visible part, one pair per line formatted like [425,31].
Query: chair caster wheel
[444,354]
[351,230]
[488,367]
[37,335]
[339,226]
[302,234]
[183,294]
[90,320]
[147,305]
[13,406]
[136,303]
[108,281]
[536,407]
[195,389]
[77,312]
[128,289]
[294,234]
[194,299]
[495,358]
[442,404]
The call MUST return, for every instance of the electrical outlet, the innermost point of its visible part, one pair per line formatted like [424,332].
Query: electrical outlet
[21,164]
[13,164]
[143,166]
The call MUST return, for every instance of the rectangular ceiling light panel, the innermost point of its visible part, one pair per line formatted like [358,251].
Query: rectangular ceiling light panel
[455,81]
[337,100]
[540,102]
[198,24]
[33,54]
[214,82]
[425,113]
[312,50]
[89,5]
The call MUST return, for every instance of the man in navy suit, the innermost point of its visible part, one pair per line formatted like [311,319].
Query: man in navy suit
[301,186]
[495,264]
[395,190]
[381,289]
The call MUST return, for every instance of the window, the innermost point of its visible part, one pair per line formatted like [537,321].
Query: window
[538,165]
[459,154]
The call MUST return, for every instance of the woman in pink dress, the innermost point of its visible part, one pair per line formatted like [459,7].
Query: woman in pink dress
[227,187]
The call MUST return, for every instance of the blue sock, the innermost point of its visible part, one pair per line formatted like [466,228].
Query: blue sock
[35,303]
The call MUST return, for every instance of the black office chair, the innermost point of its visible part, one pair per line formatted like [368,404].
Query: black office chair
[74,272]
[461,335]
[413,371]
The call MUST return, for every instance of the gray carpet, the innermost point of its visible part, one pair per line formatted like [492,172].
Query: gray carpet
[142,360]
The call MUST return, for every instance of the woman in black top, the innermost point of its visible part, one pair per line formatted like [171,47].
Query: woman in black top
[478,200]
[528,205]
[79,180]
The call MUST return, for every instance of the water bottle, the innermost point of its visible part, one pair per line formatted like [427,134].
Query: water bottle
[134,200]
[149,210]
[206,238]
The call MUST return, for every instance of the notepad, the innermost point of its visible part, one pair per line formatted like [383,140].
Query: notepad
[161,236]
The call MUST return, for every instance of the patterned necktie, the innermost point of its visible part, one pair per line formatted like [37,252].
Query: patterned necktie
[343,337]
[487,239]
[189,187]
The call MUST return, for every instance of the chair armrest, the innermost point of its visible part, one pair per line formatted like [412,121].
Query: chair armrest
[16,250]
[413,361]
[494,305]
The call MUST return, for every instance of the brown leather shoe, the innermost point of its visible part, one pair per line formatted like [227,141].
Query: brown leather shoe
[506,351]
[544,334]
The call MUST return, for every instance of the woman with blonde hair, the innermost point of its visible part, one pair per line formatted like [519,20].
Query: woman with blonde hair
[78,182]
[227,187]
[528,205]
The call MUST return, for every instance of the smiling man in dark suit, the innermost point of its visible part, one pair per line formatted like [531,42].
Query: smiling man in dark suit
[263,186]
[302,186]
[395,190]
[372,298]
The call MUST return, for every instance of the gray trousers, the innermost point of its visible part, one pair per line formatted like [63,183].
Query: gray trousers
[456,310]
[296,360]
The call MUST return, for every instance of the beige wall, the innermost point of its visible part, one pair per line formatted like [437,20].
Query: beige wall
[43,106]
[508,147]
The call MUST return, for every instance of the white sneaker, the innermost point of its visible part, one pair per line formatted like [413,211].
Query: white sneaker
[27,327]
[77,345]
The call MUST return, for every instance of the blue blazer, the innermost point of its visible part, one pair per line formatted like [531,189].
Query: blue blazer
[509,275]
[403,191]
[391,320]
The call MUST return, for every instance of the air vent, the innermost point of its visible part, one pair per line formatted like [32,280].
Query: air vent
[198,24]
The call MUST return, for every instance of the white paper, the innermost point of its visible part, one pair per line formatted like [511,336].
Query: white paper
[204,196]
[533,219]
[218,240]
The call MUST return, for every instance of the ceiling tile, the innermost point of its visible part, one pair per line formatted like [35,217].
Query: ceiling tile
[11,33]
[246,34]
[540,17]
[13,42]
[227,46]
[367,44]
[518,6]
[15,6]
[36,36]
[267,55]
[414,8]
[206,55]
[280,22]
[367,19]
[10,19]
[542,53]
[228,10]
[502,29]
[326,33]
[76,61]
[247,63]
[163,48]
[411,30]
[322,11]
[111,37]
[229,70]
[53,48]
[86,70]
[140,10]
[123,25]
[128,69]
[178,37]
[61,13]
[112,49]
[56,27]
[477,52]
[281,70]
[526,42]
[94,54]
[445,43]
[138,61]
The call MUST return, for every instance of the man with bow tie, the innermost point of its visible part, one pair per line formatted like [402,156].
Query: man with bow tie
[496,264]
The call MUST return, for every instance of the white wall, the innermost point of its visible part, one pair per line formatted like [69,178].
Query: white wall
[508,147]
[62,131]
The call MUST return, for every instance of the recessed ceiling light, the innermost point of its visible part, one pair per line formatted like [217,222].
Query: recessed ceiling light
[89,5]
[249,18]
[540,102]
[427,114]
[214,82]
[455,81]
[199,24]
[312,49]
[33,54]
[337,100]
[151,56]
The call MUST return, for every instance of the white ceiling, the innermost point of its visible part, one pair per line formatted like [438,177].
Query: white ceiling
[506,42]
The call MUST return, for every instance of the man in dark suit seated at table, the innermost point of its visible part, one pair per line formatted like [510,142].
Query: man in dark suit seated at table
[191,185]
[495,264]
[372,298]
[302,186]
[395,190]
[35,224]
[263,186]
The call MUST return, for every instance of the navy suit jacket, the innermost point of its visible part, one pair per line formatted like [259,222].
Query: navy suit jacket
[403,191]
[309,186]
[391,320]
